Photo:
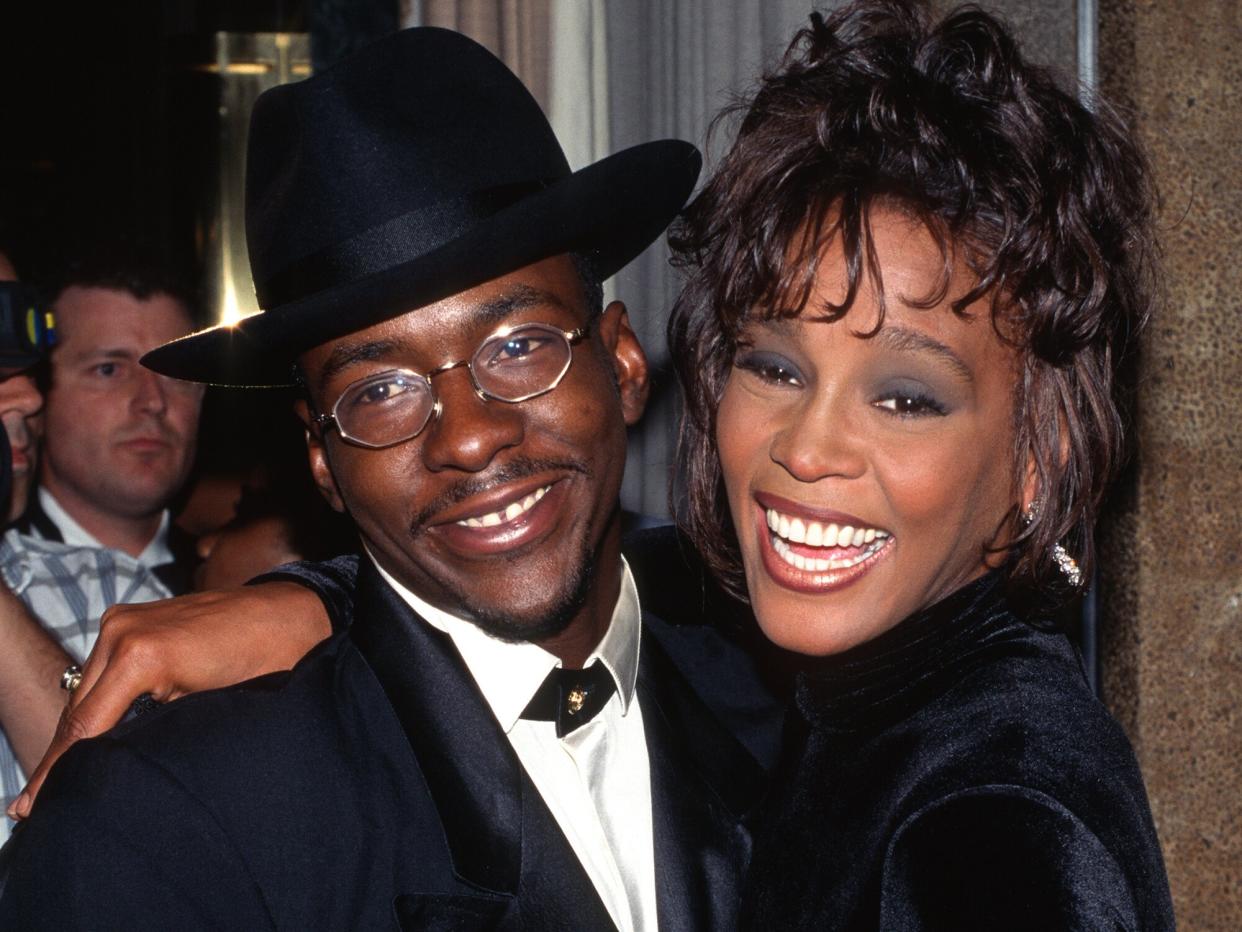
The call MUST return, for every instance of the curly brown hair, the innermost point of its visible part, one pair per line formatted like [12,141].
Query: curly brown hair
[1050,203]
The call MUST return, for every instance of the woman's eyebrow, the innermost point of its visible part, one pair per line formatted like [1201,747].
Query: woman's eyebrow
[904,340]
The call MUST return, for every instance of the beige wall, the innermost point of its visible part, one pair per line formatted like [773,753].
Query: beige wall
[1172,586]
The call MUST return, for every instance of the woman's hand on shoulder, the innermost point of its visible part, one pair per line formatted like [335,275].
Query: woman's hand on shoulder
[172,647]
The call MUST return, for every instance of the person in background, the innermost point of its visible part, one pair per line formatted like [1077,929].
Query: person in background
[52,595]
[21,414]
[119,439]
[280,517]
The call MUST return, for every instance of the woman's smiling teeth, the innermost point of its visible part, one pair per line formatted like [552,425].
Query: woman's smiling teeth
[509,513]
[786,530]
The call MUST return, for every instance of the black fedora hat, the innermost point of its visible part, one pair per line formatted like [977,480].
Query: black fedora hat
[414,170]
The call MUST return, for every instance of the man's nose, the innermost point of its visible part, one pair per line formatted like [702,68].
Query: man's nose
[150,394]
[18,393]
[468,431]
[206,543]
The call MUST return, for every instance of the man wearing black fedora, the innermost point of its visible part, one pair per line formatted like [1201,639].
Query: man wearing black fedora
[503,738]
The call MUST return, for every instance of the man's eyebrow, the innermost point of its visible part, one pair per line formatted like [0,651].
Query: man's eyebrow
[493,311]
[347,354]
[904,340]
[118,352]
[517,298]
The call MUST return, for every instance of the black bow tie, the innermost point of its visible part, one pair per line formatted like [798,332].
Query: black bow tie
[571,697]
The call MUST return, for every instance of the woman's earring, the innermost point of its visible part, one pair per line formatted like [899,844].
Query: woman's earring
[1068,565]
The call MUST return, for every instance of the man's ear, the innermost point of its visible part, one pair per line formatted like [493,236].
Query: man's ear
[629,362]
[317,453]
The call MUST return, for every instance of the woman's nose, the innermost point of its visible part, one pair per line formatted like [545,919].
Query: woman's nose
[819,441]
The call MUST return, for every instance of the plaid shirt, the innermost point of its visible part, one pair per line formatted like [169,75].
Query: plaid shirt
[67,589]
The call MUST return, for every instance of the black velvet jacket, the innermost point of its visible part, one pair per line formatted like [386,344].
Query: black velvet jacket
[957,774]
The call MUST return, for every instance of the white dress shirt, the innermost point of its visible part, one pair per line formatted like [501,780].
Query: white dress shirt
[156,553]
[596,780]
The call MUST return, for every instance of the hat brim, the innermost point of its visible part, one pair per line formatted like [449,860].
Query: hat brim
[611,210]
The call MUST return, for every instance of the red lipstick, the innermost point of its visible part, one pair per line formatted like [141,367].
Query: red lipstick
[793,563]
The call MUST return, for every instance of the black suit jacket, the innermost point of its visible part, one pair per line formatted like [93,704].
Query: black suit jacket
[371,788]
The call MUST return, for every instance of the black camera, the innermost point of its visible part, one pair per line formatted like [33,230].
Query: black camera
[27,331]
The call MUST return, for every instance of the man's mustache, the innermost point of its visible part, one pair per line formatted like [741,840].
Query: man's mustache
[514,470]
[149,430]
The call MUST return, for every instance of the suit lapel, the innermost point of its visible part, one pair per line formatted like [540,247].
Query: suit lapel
[702,784]
[471,771]
[501,836]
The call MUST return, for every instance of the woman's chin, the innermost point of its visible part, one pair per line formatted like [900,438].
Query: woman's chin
[815,609]
[817,625]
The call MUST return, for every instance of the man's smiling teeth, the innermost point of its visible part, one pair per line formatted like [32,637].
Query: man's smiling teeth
[514,510]
[786,531]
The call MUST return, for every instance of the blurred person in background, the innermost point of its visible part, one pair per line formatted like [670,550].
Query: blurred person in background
[22,416]
[279,517]
[120,439]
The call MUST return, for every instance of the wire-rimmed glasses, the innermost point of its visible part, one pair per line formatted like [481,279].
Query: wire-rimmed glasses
[513,364]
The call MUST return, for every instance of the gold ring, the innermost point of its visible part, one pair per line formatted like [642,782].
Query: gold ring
[71,679]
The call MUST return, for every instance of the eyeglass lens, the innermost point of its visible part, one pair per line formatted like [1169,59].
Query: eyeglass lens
[392,406]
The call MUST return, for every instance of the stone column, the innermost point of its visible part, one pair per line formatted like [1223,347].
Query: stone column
[1171,592]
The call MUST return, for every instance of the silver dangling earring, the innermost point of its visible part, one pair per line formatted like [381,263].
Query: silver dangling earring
[1068,565]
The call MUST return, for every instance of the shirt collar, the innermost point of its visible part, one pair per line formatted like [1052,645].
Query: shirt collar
[156,553]
[508,673]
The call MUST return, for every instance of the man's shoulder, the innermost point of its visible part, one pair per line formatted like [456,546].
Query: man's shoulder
[675,584]
[710,637]
[276,753]
[279,714]
[294,792]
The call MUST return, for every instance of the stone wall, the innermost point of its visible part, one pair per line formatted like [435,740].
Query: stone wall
[1171,592]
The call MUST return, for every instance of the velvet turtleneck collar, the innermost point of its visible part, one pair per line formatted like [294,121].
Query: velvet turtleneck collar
[956,773]
[888,677]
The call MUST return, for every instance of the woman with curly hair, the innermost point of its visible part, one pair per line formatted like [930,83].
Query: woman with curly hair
[913,280]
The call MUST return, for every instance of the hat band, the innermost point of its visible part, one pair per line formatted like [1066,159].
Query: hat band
[390,244]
